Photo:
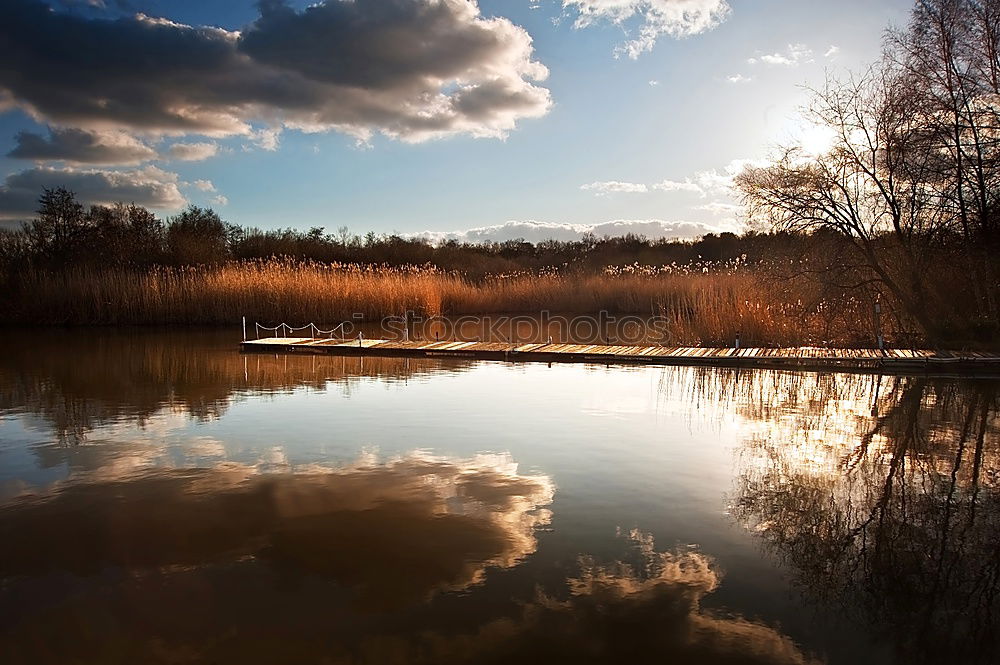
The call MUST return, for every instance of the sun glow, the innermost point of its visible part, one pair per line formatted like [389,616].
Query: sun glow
[811,138]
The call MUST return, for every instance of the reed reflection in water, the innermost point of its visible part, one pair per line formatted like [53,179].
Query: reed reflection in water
[448,511]
[78,382]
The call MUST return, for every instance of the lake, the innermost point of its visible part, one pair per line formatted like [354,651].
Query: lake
[165,499]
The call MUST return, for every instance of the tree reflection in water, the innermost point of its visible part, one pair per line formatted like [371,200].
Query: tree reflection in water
[79,381]
[880,494]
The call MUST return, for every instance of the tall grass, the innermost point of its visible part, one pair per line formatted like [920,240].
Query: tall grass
[700,306]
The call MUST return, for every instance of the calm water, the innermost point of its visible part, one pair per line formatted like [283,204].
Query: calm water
[165,499]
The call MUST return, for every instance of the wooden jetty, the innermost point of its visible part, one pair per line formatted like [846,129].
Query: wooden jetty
[816,358]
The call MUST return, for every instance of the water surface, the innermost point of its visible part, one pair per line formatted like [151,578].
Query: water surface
[165,499]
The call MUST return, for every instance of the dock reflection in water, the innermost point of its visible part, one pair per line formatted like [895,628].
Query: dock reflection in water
[167,500]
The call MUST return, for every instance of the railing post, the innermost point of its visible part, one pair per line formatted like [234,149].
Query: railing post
[244,328]
[878,326]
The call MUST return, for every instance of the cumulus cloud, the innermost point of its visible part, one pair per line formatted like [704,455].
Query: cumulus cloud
[266,139]
[739,78]
[675,18]
[703,183]
[410,69]
[720,208]
[710,182]
[204,185]
[192,152]
[79,146]
[792,56]
[535,231]
[150,187]
[613,187]
[678,186]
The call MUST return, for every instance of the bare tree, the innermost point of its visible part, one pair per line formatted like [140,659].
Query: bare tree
[913,177]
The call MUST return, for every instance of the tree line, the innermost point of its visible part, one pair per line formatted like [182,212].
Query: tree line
[902,210]
[67,234]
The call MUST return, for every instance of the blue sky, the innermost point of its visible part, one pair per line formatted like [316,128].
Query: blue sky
[603,137]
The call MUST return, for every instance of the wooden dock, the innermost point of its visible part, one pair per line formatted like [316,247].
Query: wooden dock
[888,360]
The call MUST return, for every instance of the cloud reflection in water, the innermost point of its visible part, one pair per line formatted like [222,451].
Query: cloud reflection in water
[337,565]
[394,531]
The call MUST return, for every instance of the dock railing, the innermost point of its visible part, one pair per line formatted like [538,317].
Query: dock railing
[281,329]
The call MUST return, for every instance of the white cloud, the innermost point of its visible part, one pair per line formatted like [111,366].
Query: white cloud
[192,152]
[150,187]
[535,231]
[792,56]
[208,187]
[614,187]
[408,69]
[716,182]
[266,139]
[720,208]
[831,52]
[685,185]
[204,185]
[675,18]
[654,83]
[703,183]
[739,78]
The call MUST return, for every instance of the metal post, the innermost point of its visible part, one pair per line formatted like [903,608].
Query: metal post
[244,328]
[737,341]
[878,326]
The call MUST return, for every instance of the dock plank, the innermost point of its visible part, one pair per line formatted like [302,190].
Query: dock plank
[894,360]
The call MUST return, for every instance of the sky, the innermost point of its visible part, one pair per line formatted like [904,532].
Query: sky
[444,118]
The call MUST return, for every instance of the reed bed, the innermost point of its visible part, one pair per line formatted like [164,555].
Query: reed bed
[706,305]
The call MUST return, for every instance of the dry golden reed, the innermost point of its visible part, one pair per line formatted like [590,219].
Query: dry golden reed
[700,306]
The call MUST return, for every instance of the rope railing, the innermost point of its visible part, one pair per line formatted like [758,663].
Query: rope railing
[284,330]
[330,332]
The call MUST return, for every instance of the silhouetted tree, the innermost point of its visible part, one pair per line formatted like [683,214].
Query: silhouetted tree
[198,235]
[129,235]
[61,230]
[913,176]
